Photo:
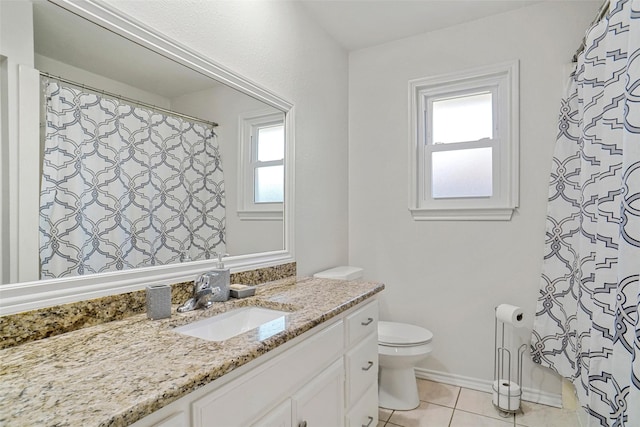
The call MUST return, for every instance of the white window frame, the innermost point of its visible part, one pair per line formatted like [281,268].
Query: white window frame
[249,123]
[502,81]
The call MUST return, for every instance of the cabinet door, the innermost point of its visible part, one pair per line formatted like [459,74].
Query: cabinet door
[365,412]
[278,417]
[321,402]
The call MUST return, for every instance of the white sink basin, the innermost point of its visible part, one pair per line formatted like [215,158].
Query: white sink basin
[235,322]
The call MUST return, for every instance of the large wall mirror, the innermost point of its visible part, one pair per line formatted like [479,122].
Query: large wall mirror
[217,178]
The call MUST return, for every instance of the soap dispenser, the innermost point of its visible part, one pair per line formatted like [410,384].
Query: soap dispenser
[220,277]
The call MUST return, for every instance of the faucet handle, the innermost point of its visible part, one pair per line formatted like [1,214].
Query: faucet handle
[201,283]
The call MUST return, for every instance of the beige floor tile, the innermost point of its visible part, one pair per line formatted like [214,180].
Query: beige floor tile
[440,394]
[467,419]
[479,403]
[384,414]
[380,424]
[534,415]
[427,414]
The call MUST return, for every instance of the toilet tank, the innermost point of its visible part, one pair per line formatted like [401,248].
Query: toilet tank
[345,272]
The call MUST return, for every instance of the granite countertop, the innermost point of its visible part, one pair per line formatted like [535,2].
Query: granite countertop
[116,373]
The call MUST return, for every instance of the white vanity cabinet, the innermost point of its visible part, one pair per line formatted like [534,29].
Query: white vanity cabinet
[326,377]
[361,366]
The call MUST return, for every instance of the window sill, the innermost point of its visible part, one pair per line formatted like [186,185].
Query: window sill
[260,215]
[473,214]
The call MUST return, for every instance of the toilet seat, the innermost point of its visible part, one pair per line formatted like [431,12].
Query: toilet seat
[386,344]
[393,334]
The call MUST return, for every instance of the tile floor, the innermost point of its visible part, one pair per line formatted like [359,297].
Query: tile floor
[443,405]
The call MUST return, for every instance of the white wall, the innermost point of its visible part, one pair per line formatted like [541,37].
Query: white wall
[276,45]
[445,275]
[16,51]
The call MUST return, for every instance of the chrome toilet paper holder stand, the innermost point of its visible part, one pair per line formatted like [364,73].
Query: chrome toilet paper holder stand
[502,366]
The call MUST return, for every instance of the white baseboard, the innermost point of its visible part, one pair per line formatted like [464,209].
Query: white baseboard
[528,394]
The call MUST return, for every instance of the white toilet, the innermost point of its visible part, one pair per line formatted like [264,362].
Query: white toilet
[400,347]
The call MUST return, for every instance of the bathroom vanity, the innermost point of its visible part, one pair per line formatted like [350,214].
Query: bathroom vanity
[315,366]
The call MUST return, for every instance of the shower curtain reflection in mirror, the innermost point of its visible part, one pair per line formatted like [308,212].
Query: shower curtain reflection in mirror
[125,187]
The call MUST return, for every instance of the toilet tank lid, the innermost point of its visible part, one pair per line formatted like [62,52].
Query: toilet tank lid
[344,272]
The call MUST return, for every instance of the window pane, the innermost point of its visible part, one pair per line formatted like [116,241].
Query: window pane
[462,173]
[463,118]
[270,143]
[269,182]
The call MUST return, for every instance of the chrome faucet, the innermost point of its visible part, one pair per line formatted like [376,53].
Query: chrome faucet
[203,294]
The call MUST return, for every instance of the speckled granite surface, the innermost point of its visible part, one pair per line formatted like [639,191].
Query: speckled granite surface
[47,322]
[115,373]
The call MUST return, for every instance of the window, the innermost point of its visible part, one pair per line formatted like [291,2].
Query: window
[262,166]
[464,145]
[267,163]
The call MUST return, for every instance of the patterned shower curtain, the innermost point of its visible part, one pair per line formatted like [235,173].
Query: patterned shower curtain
[125,187]
[586,326]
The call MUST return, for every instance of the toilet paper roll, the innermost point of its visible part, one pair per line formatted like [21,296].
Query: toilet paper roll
[510,314]
[506,395]
[505,387]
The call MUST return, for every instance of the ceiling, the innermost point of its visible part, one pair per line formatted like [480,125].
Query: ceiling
[357,24]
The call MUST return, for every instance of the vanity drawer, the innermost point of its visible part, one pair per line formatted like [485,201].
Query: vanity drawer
[362,322]
[362,368]
[365,412]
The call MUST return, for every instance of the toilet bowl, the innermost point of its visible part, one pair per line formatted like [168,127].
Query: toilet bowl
[400,347]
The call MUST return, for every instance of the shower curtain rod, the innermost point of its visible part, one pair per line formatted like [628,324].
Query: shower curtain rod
[129,100]
[602,12]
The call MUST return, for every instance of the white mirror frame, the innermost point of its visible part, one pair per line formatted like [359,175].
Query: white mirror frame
[19,297]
